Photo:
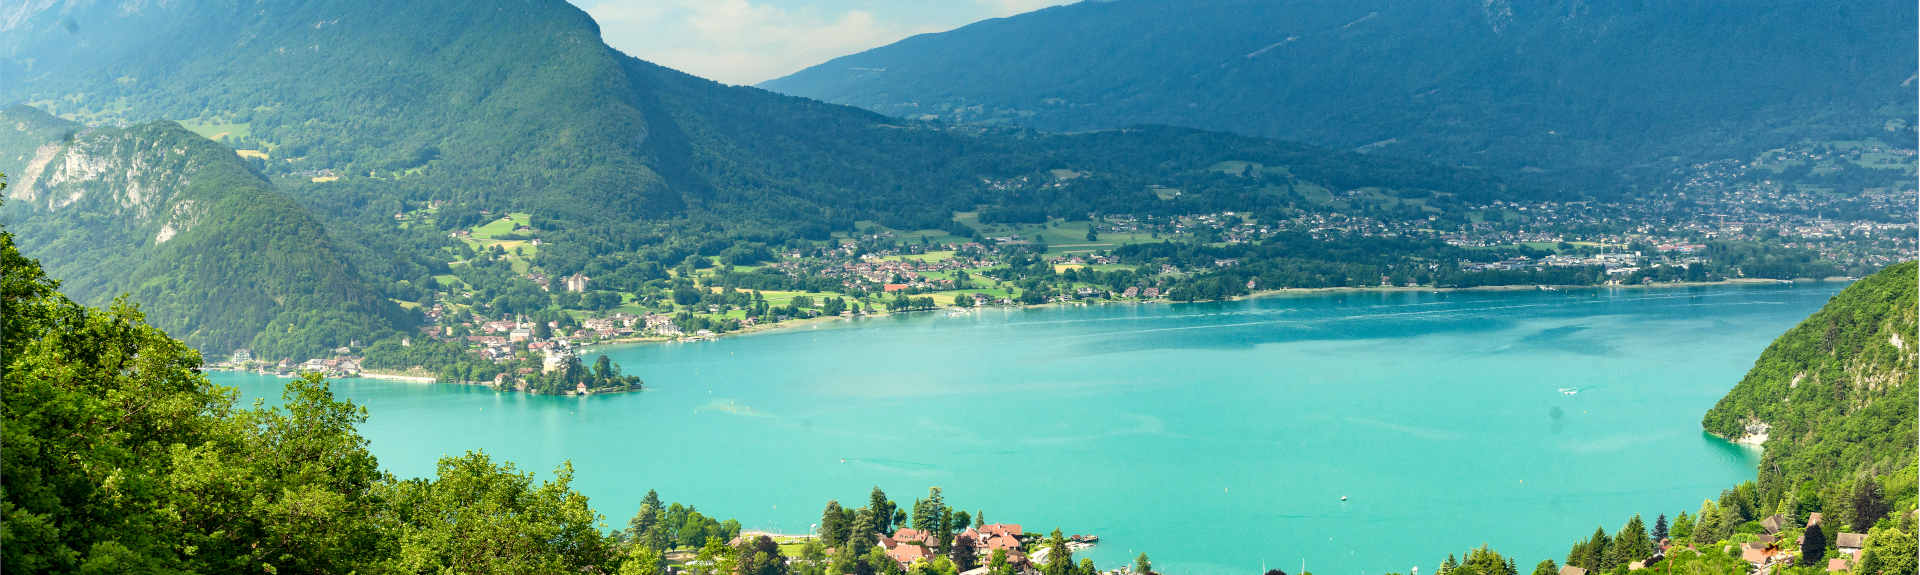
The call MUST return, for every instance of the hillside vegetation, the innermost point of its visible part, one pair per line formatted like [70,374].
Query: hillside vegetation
[1836,394]
[1583,94]
[206,248]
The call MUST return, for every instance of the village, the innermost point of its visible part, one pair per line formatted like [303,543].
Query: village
[1764,552]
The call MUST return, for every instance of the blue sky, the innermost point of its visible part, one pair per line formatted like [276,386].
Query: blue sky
[748,41]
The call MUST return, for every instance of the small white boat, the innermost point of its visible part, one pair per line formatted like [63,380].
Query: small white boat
[1343,498]
[1569,390]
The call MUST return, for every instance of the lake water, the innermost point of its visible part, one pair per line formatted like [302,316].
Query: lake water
[1217,437]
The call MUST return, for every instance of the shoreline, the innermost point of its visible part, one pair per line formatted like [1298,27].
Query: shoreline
[795,324]
[394,376]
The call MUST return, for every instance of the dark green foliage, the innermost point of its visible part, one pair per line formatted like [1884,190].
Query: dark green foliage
[122,457]
[1813,546]
[1866,504]
[1838,390]
[833,525]
[1505,85]
[205,247]
[759,556]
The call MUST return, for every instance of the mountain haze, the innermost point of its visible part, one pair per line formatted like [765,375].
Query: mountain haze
[1580,91]
[361,110]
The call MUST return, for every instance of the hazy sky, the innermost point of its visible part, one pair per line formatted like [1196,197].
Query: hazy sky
[748,41]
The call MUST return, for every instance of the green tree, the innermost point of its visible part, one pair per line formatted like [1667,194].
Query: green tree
[476,516]
[1059,558]
[1682,528]
[1866,504]
[1889,551]
[882,511]
[643,560]
[833,526]
[759,556]
[997,563]
[860,536]
[881,564]
[1660,528]
[1142,566]
[1706,529]
[1813,546]
[643,528]
[1629,544]
[1546,567]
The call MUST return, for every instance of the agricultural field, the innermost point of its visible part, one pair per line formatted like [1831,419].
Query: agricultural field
[225,132]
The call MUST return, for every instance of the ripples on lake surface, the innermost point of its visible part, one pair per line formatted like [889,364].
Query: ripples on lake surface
[1217,437]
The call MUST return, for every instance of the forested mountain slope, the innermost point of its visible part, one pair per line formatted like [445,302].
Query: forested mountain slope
[207,248]
[1835,396]
[362,110]
[517,104]
[1583,92]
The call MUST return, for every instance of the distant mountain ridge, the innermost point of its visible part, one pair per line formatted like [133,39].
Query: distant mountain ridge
[177,222]
[1586,92]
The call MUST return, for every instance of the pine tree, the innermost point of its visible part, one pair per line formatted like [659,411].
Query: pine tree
[1682,528]
[882,510]
[860,536]
[1446,567]
[1867,504]
[1059,558]
[1597,554]
[1141,566]
[1660,528]
[1706,528]
[1813,549]
[833,526]
[1629,544]
[1546,567]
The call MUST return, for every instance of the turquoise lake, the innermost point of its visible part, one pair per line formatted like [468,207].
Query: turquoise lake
[1216,437]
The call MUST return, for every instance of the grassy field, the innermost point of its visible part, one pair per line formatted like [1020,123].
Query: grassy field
[502,226]
[218,131]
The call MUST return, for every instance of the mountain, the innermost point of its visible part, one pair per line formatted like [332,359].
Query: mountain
[206,248]
[361,111]
[515,104]
[1835,396]
[1584,94]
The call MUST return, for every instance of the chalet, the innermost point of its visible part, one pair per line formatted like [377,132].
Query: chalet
[911,535]
[1838,564]
[1132,291]
[1773,523]
[1008,529]
[907,553]
[1571,570]
[1850,543]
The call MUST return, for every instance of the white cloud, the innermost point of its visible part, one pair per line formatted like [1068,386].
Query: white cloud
[1011,7]
[739,41]
[748,41]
